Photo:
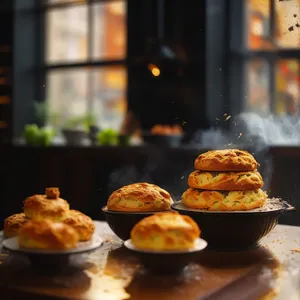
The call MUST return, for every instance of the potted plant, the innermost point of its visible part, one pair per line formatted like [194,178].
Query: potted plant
[111,137]
[90,123]
[74,131]
[38,136]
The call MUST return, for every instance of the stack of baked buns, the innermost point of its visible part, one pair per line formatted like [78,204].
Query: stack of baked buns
[48,223]
[225,180]
[140,197]
[165,231]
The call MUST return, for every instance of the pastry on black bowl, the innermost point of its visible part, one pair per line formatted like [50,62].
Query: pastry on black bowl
[224,200]
[236,230]
[129,204]
[166,242]
[224,192]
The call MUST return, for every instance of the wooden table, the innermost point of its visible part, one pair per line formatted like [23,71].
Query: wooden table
[112,272]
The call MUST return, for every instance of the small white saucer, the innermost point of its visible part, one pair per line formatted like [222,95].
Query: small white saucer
[200,244]
[167,262]
[12,244]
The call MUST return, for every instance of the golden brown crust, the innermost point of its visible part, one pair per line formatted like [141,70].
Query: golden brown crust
[165,231]
[226,160]
[13,223]
[225,181]
[39,207]
[223,200]
[82,223]
[52,192]
[45,234]
[140,197]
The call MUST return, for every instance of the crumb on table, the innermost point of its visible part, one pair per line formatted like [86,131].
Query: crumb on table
[296,250]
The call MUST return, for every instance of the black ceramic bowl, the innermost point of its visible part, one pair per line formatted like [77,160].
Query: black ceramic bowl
[163,140]
[236,230]
[165,262]
[122,222]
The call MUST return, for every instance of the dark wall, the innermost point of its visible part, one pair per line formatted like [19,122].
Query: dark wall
[178,95]
[6,66]
[87,176]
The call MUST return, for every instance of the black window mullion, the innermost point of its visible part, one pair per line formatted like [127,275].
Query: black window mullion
[76,65]
[273,61]
[266,54]
[61,5]
[40,54]
[272,20]
[90,53]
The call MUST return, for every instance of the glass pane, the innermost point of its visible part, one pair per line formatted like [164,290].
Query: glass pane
[258,24]
[288,23]
[287,101]
[109,30]
[109,96]
[67,93]
[257,89]
[66,31]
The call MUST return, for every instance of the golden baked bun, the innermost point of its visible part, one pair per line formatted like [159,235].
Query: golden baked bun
[165,231]
[225,181]
[13,223]
[45,234]
[139,197]
[226,160]
[82,223]
[49,206]
[166,130]
[223,200]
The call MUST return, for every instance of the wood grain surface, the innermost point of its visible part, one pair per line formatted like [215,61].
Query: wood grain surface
[112,272]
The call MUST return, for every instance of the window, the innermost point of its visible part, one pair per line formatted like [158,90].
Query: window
[265,54]
[85,60]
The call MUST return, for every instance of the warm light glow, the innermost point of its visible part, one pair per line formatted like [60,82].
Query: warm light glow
[117,8]
[154,70]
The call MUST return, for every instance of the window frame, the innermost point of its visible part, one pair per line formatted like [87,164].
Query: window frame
[237,55]
[90,62]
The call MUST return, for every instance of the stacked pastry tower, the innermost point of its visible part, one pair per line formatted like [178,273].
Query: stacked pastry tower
[225,180]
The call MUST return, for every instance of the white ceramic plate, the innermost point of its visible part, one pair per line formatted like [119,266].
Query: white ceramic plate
[200,244]
[12,244]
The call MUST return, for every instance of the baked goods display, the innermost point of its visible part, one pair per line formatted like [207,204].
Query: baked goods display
[13,223]
[46,234]
[166,130]
[48,206]
[83,224]
[140,197]
[223,200]
[225,180]
[57,223]
[165,231]
[226,160]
